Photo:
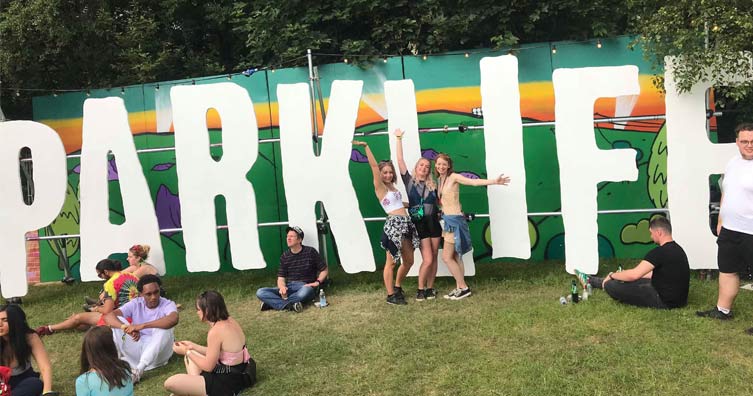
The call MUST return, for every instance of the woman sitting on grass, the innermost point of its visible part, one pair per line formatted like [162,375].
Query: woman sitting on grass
[18,344]
[119,288]
[456,234]
[399,237]
[138,266]
[102,372]
[224,366]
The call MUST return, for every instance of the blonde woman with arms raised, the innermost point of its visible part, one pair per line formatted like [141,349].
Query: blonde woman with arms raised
[456,234]
[422,201]
[399,237]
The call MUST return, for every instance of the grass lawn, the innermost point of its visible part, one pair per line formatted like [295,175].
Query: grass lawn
[512,337]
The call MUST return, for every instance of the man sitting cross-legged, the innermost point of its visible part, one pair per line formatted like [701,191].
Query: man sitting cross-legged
[301,271]
[661,280]
[146,342]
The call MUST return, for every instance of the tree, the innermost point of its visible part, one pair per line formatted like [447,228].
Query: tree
[709,36]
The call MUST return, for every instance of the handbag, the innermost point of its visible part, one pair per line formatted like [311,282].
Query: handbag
[417,211]
[5,373]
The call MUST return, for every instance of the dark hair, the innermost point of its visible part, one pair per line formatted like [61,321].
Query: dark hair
[98,352]
[109,265]
[147,279]
[18,330]
[746,126]
[660,222]
[212,305]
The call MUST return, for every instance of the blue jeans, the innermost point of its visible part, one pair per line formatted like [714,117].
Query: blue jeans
[297,292]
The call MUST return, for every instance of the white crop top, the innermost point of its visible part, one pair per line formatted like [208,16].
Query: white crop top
[392,201]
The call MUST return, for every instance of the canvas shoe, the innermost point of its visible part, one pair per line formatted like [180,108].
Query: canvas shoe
[394,299]
[297,307]
[420,295]
[399,292]
[461,294]
[715,313]
[265,306]
[430,294]
[136,375]
[451,294]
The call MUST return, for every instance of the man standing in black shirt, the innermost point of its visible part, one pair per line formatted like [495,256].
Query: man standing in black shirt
[661,280]
[301,271]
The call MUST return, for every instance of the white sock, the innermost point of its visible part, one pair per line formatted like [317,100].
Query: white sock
[723,310]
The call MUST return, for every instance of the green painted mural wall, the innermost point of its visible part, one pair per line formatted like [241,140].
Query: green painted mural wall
[447,91]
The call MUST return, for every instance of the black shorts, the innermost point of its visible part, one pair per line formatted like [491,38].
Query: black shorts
[428,226]
[735,253]
[229,384]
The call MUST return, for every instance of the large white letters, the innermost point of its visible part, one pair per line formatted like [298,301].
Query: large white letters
[201,178]
[503,137]
[691,158]
[582,163]
[309,179]
[17,218]
[106,129]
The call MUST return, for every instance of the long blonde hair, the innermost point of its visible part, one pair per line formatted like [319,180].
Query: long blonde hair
[430,184]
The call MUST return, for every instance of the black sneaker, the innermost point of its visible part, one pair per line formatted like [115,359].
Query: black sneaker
[420,295]
[715,313]
[265,306]
[394,299]
[297,307]
[430,294]
[399,291]
[461,294]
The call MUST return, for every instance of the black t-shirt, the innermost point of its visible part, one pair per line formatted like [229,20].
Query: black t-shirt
[303,266]
[671,275]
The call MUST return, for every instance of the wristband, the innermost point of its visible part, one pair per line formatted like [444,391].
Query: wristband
[123,326]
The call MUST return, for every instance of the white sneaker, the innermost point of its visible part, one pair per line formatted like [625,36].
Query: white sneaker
[136,375]
[453,293]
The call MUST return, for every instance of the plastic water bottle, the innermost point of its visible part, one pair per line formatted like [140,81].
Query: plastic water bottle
[322,299]
[574,291]
[563,300]
[589,289]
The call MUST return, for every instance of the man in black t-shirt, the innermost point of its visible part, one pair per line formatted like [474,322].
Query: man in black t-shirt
[661,280]
[302,269]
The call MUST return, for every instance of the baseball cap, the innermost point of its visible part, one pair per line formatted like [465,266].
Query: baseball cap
[295,229]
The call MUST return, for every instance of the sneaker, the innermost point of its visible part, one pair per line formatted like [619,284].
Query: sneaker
[461,294]
[420,295]
[430,294]
[399,291]
[265,306]
[451,294]
[297,307]
[88,308]
[715,313]
[44,331]
[582,277]
[394,299]
[91,301]
[136,375]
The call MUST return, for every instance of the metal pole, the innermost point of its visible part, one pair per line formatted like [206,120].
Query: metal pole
[317,149]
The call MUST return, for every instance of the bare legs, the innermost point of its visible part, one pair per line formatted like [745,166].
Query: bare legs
[428,271]
[453,262]
[81,321]
[406,254]
[729,285]
[187,384]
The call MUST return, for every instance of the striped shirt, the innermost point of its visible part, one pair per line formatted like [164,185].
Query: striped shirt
[303,266]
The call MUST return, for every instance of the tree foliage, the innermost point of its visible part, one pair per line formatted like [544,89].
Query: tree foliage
[709,36]
[75,44]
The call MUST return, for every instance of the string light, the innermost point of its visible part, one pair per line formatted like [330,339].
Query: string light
[385,59]
[18,92]
[554,49]
[229,76]
[425,57]
[156,87]
[88,93]
[55,93]
[345,60]
[598,43]
[467,54]
[193,82]
[122,91]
